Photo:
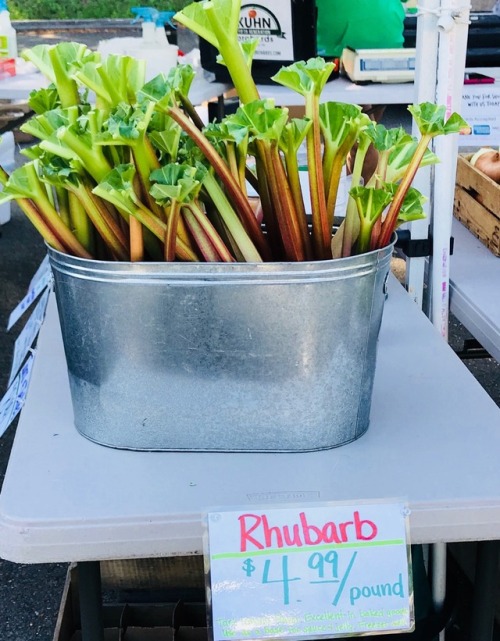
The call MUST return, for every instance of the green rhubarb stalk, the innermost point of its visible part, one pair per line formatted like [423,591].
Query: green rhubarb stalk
[145,161]
[203,242]
[336,163]
[217,22]
[106,226]
[242,165]
[233,163]
[36,219]
[235,61]
[263,189]
[293,136]
[292,171]
[241,203]
[80,223]
[42,226]
[117,188]
[62,196]
[231,220]
[277,206]
[172,225]
[159,228]
[296,244]
[370,204]
[340,124]
[309,78]
[50,214]
[351,222]
[388,225]
[322,231]
[333,187]
[190,110]
[136,240]
[430,119]
[209,232]
[92,158]
[66,86]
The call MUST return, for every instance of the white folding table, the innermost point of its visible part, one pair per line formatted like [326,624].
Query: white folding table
[434,440]
[475,288]
[19,87]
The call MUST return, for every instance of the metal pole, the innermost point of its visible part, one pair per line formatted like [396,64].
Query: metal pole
[453,24]
[425,91]
[485,583]
[89,588]
[439,578]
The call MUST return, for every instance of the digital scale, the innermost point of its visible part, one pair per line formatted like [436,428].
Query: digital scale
[379,65]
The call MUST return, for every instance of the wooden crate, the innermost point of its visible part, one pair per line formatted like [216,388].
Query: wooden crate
[477,204]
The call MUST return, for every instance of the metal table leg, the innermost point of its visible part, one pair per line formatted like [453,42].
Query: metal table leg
[483,604]
[439,578]
[89,587]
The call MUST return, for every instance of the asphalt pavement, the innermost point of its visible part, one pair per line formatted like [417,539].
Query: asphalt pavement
[30,594]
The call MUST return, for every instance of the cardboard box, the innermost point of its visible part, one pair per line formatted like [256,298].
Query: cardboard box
[133,620]
[477,203]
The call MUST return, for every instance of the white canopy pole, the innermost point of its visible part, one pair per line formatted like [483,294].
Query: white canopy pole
[425,91]
[453,27]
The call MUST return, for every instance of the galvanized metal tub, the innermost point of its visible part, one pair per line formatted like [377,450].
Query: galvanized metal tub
[210,356]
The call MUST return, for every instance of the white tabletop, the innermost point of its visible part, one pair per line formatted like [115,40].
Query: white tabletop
[20,86]
[341,89]
[434,439]
[475,288]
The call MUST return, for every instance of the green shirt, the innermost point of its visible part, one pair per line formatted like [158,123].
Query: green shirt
[359,24]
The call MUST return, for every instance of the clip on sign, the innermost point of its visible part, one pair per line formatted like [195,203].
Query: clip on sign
[303,572]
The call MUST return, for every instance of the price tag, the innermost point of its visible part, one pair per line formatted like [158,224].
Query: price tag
[28,334]
[317,571]
[13,401]
[39,282]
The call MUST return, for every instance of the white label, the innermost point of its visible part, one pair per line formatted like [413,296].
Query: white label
[13,401]
[28,334]
[323,570]
[481,110]
[273,28]
[41,273]
[40,281]
[4,46]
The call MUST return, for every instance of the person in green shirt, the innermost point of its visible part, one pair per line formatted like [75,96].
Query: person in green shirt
[359,24]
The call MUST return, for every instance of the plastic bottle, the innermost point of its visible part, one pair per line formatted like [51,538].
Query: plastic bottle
[8,38]
[148,15]
[153,39]
[163,18]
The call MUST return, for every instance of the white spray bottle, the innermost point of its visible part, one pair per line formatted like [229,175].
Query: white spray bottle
[148,16]
[8,38]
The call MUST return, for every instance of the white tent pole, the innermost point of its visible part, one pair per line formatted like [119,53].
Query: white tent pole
[453,25]
[425,91]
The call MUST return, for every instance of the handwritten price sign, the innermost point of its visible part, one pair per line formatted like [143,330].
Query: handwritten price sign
[329,570]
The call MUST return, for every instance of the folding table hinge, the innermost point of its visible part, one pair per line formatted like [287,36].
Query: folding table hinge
[416,247]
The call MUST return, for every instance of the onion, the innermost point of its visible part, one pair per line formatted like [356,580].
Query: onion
[487,160]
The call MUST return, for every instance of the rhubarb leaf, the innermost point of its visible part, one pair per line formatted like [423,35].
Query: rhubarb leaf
[174,181]
[430,119]
[305,77]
